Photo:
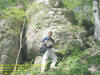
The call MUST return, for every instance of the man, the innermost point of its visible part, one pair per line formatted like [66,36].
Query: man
[48,52]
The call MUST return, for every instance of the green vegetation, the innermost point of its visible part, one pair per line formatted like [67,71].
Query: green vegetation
[71,64]
[8,3]
[82,9]
[10,12]
[16,16]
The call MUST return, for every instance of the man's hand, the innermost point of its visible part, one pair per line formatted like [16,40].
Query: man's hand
[42,44]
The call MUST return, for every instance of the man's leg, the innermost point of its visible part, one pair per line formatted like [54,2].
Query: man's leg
[45,57]
[54,58]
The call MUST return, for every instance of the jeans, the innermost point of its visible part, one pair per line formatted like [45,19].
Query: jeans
[52,55]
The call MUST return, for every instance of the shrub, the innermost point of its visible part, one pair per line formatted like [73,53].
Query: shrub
[79,69]
[15,17]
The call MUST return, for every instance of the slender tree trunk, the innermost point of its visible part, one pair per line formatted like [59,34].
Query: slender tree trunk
[17,58]
[96,19]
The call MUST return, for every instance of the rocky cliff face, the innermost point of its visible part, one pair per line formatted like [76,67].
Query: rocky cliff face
[46,18]
[9,45]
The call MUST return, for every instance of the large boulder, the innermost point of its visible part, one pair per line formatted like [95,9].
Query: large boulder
[59,20]
[9,46]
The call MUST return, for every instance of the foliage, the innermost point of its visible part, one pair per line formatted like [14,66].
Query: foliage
[79,69]
[12,13]
[73,59]
[8,3]
[16,17]
[96,73]
[81,8]
[94,60]
[63,52]
[70,65]
[71,4]
[57,72]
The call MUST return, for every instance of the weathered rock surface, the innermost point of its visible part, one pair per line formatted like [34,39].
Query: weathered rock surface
[38,60]
[54,2]
[9,45]
[59,20]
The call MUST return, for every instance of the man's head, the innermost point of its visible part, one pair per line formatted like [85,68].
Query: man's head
[49,33]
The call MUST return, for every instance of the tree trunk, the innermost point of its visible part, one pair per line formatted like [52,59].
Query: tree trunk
[96,19]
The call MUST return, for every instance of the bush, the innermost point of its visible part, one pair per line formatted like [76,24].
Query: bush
[56,72]
[15,18]
[94,60]
[8,3]
[96,73]
[79,69]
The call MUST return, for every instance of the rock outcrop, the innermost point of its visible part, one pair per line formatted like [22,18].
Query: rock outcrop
[46,18]
[9,46]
